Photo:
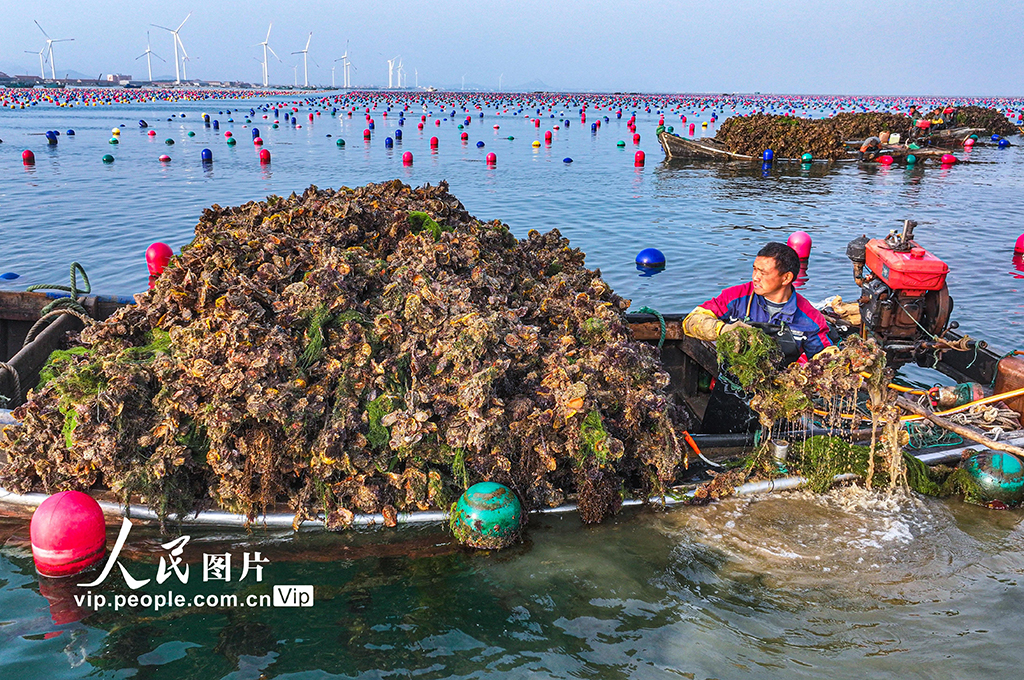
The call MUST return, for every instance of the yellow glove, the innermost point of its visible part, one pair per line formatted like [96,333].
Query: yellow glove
[726,328]
[702,324]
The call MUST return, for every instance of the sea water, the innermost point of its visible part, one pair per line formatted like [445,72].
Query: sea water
[846,585]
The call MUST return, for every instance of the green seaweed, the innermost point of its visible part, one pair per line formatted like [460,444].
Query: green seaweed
[315,338]
[593,438]
[750,355]
[420,221]
[378,434]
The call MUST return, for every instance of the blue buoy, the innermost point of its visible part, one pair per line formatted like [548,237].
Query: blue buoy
[9,276]
[567,160]
[593,127]
[996,138]
[71,133]
[143,124]
[398,134]
[388,142]
[650,258]
[371,125]
[216,125]
[206,155]
[479,145]
[255,132]
[1003,143]
[768,155]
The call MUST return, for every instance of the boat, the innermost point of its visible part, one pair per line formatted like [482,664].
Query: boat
[709,148]
[930,340]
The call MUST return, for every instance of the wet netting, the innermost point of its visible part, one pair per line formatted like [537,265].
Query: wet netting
[356,351]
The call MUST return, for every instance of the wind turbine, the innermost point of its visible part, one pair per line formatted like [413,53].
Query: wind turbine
[177,42]
[499,81]
[401,72]
[149,54]
[417,72]
[266,46]
[49,50]
[344,68]
[42,72]
[305,66]
[295,73]
[391,68]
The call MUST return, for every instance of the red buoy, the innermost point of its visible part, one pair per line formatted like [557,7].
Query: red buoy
[1018,248]
[536,122]
[492,158]
[68,534]
[258,141]
[547,136]
[800,241]
[311,116]
[638,159]
[226,134]
[27,157]
[366,133]
[885,160]
[264,156]
[437,123]
[151,133]
[433,142]
[948,159]
[165,159]
[636,138]
[157,257]
[464,136]
[693,129]
[407,158]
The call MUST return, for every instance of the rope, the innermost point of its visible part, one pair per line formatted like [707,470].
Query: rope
[69,305]
[39,325]
[661,320]
[17,383]
[926,436]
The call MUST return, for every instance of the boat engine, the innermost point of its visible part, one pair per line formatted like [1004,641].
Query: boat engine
[904,303]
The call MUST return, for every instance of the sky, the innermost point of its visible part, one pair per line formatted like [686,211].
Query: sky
[940,47]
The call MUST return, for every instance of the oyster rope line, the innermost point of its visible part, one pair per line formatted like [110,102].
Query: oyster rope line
[69,305]
[39,326]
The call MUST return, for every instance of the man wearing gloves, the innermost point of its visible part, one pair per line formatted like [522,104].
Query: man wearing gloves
[768,301]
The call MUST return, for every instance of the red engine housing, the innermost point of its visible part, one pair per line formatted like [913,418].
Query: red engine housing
[912,272]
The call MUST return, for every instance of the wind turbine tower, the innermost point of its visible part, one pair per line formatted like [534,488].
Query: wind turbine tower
[49,51]
[266,46]
[305,66]
[391,70]
[177,42]
[42,71]
[149,54]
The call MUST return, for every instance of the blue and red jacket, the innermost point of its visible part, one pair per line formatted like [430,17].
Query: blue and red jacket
[741,303]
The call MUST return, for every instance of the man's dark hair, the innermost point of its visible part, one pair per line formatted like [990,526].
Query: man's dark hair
[786,259]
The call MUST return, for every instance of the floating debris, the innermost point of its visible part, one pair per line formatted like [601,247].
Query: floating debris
[370,350]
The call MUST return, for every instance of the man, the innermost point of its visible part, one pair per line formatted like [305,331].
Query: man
[869,149]
[768,300]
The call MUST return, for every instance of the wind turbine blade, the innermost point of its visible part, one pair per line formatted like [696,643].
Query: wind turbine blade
[64,40]
[268,31]
[141,56]
[271,49]
[299,52]
[307,41]
[182,23]
[181,45]
[158,56]
[41,28]
[163,27]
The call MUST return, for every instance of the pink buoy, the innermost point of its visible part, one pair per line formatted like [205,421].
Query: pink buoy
[407,158]
[885,160]
[311,116]
[968,143]
[639,158]
[800,241]
[1018,248]
[27,157]
[437,123]
[226,134]
[68,534]
[420,126]
[536,122]
[948,159]
[693,129]
[165,159]
[492,158]
[151,133]
[636,138]
[264,157]
[157,257]
[433,142]
[547,136]
[258,141]
[496,127]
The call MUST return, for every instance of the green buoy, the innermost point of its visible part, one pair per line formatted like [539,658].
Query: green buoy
[231,141]
[670,129]
[107,158]
[620,143]
[274,126]
[911,159]
[999,475]
[113,140]
[169,142]
[191,134]
[340,142]
[807,158]
[488,516]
